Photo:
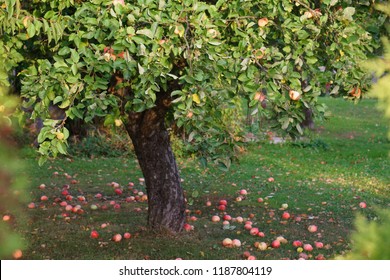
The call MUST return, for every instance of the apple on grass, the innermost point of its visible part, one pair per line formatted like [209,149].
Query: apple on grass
[126,235]
[312,228]
[286,215]
[275,244]
[117,237]
[94,234]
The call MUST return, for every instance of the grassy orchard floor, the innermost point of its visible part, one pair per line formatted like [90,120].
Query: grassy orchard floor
[322,182]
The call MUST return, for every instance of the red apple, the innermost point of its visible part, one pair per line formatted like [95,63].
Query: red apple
[117,237]
[275,244]
[31,205]
[297,243]
[98,195]
[227,217]
[127,235]
[222,207]
[236,243]
[187,227]
[42,186]
[261,234]
[65,192]
[308,247]
[254,231]
[94,234]
[362,204]
[243,192]
[251,258]
[227,242]
[208,203]
[286,215]
[118,191]
[271,179]
[215,219]
[248,226]
[318,245]
[260,200]
[223,202]
[312,228]
[44,198]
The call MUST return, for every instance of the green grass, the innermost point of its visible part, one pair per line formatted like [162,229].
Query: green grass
[322,180]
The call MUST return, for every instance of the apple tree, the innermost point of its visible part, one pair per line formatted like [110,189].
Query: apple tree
[139,63]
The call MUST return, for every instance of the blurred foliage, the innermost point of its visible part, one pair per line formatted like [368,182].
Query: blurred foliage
[371,238]
[12,184]
[381,69]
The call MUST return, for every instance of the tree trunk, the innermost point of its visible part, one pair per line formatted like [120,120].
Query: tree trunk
[166,202]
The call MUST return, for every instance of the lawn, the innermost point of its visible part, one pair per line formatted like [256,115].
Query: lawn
[322,180]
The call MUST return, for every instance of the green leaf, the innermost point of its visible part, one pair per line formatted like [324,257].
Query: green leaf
[348,13]
[31,30]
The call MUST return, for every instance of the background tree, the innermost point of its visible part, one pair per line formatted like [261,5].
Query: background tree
[139,63]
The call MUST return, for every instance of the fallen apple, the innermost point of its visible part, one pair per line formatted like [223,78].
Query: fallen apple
[275,244]
[312,228]
[94,234]
[227,242]
[236,243]
[308,247]
[215,219]
[117,237]
[286,216]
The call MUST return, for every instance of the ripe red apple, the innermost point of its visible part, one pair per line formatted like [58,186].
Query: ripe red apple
[254,231]
[117,237]
[227,242]
[115,185]
[271,179]
[81,198]
[126,235]
[275,244]
[320,257]
[222,207]
[68,208]
[187,227]
[94,234]
[208,203]
[104,225]
[308,247]
[130,199]
[98,195]
[227,217]
[226,223]
[251,258]
[117,206]
[286,215]
[318,245]
[223,202]
[261,234]
[362,204]
[118,191]
[260,200]
[31,205]
[63,203]
[236,243]
[297,243]
[44,198]
[312,228]
[239,219]
[248,226]
[65,192]
[215,219]
[238,198]
[42,186]
[246,254]
[243,192]
[69,197]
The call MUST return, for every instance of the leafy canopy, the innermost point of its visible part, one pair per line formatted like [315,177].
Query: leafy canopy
[207,55]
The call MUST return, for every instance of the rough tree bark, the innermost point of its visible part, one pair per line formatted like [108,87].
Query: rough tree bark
[166,202]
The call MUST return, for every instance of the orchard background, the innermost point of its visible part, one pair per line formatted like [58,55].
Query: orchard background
[209,83]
